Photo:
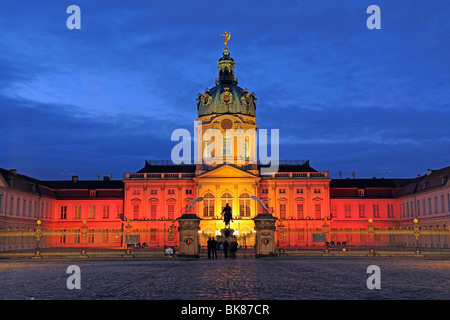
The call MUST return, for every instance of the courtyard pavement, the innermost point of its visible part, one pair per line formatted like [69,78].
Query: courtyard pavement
[227,279]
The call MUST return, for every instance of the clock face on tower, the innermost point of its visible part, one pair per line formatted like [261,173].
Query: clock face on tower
[226,124]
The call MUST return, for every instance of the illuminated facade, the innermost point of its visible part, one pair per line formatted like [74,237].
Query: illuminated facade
[152,198]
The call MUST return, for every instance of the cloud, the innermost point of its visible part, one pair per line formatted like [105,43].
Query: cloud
[109,95]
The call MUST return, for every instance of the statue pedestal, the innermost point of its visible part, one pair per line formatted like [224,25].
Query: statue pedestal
[265,235]
[227,233]
[189,226]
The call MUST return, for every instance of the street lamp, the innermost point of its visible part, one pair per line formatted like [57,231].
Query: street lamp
[38,235]
[262,204]
[191,204]
[416,234]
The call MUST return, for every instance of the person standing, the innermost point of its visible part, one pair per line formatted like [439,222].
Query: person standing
[209,247]
[214,248]
[225,248]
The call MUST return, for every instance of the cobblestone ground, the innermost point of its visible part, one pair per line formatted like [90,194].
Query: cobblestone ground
[221,279]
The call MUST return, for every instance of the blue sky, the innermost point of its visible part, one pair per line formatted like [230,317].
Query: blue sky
[107,97]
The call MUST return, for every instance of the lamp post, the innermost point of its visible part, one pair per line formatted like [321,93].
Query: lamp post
[371,234]
[128,229]
[38,234]
[416,234]
[84,229]
[325,229]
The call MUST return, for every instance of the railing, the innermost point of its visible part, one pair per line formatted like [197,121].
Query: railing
[297,175]
[159,176]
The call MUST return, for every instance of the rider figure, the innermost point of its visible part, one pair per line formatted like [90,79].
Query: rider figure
[227,217]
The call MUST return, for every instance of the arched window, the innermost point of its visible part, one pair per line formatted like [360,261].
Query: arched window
[227,198]
[244,205]
[208,205]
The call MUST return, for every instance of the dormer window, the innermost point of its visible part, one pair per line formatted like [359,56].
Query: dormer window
[361,192]
[92,193]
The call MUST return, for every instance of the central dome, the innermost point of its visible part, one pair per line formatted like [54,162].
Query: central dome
[226,97]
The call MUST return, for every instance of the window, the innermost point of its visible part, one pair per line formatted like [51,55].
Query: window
[376,211]
[188,191]
[24,208]
[35,209]
[318,211]
[244,205]
[362,211]
[448,201]
[424,207]
[207,150]
[171,191]
[153,209]
[30,208]
[227,198]
[77,214]
[91,212]
[418,208]
[92,193]
[119,212]
[317,190]
[208,205]
[246,148]
[1,202]
[62,236]
[361,192]
[226,147]
[105,212]
[407,209]
[136,191]
[171,211]
[333,211]
[264,191]
[348,211]
[390,210]
[18,207]
[282,191]
[152,235]
[299,210]
[135,212]
[63,212]
[153,191]
[77,237]
[300,190]
[282,211]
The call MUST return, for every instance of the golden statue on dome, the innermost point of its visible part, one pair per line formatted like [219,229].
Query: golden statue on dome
[227,37]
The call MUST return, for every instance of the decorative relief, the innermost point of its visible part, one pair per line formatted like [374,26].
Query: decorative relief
[226,124]
[226,96]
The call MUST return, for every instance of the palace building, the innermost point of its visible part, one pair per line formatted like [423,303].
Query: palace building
[152,198]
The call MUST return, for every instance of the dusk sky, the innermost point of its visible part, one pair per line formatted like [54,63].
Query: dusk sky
[107,97]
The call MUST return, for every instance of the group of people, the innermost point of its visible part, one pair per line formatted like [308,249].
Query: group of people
[229,249]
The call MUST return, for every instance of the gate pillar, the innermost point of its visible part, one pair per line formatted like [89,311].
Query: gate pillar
[265,235]
[189,226]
